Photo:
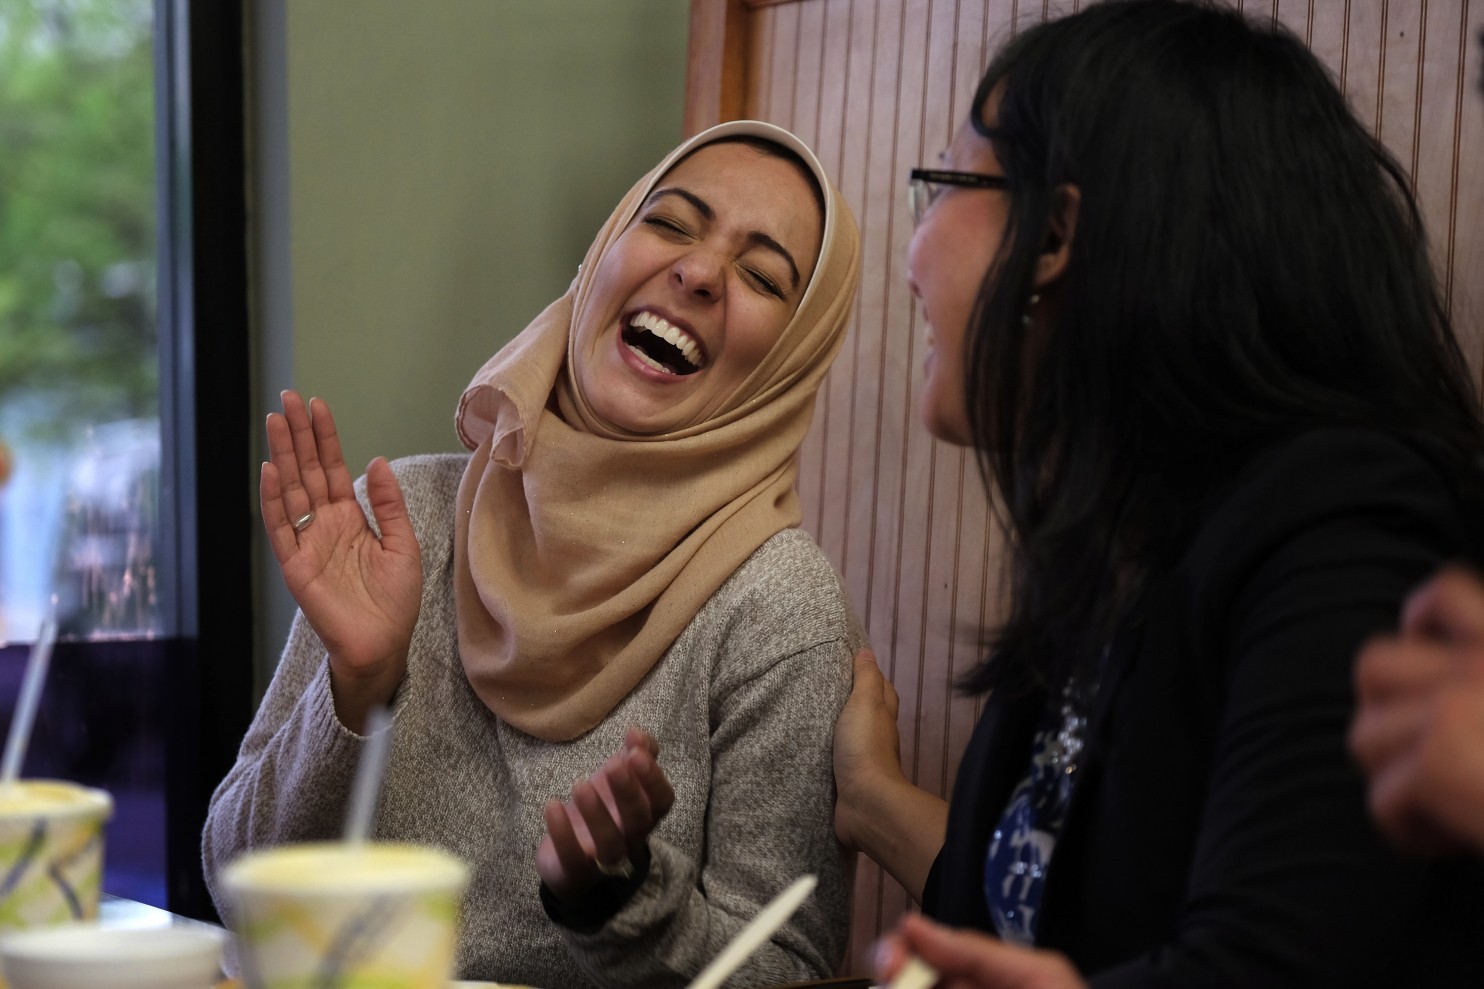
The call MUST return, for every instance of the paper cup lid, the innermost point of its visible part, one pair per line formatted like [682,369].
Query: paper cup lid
[53,798]
[86,956]
[336,868]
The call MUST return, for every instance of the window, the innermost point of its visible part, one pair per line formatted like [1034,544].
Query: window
[124,456]
[79,378]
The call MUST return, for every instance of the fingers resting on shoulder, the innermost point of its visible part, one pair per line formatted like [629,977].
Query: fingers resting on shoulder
[871,685]
[866,738]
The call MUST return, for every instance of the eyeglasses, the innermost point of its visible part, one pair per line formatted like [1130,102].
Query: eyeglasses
[923,183]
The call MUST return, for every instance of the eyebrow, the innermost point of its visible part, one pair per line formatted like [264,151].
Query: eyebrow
[755,238]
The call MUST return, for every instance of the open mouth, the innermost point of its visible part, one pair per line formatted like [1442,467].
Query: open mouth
[662,345]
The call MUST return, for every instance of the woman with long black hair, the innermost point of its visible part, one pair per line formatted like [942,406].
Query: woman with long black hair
[1180,304]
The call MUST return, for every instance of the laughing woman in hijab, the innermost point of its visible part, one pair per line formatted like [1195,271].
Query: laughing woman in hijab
[612,589]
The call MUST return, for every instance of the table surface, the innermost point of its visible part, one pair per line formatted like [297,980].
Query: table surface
[234,984]
[115,911]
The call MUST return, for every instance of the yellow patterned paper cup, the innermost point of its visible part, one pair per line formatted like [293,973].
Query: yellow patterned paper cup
[380,915]
[51,852]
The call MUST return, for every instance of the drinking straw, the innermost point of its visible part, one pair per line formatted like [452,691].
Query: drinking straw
[25,708]
[755,934]
[368,776]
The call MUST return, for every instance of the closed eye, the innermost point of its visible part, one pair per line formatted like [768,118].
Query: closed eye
[669,227]
[665,224]
[763,282]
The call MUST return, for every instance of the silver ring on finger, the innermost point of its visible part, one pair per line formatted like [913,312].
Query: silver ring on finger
[303,521]
[622,869]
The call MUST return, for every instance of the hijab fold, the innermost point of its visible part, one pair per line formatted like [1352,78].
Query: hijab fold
[582,551]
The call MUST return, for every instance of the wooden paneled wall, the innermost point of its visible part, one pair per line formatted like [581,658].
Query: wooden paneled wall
[876,87]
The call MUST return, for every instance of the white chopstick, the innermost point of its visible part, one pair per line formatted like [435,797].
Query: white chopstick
[751,937]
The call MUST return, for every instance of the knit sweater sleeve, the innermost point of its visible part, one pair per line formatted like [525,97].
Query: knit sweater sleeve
[785,637]
[292,778]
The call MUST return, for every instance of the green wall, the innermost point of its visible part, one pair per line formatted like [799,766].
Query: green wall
[427,175]
[450,162]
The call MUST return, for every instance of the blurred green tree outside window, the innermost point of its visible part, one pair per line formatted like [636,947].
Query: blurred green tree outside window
[79,371]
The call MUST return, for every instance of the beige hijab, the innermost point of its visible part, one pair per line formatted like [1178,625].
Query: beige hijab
[581,551]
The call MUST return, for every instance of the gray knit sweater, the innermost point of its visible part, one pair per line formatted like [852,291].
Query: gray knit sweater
[743,704]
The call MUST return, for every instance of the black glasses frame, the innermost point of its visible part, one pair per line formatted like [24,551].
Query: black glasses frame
[921,183]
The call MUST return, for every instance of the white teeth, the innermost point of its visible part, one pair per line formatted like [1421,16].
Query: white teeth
[670,333]
[648,360]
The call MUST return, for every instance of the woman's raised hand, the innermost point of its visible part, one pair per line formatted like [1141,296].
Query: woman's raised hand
[607,820]
[361,594]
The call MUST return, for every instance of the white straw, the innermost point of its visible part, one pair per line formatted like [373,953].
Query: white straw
[368,776]
[25,708]
[755,934]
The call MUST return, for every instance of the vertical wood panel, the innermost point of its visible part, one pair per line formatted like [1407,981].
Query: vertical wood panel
[877,437]
[1398,89]
[783,63]
[877,86]
[832,51]
[1464,221]
[716,63]
[849,483]
[1363,60]
[840,109]
[809,87]
[1328,26]
[759,64]
[939,529]
[879,79]
[899,495]
[1441,88]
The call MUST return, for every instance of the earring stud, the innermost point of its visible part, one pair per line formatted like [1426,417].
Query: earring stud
[1030,303]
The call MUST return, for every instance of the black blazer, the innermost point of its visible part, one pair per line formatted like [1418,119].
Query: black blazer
[1218,833]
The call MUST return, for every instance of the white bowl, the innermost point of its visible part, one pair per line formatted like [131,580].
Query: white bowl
[86,956]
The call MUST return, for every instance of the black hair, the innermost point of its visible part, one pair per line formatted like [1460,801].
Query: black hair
[1247,263]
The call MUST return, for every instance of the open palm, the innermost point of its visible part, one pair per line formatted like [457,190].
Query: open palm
[359,592]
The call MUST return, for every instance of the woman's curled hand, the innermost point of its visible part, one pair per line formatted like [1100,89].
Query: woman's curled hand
[606,823]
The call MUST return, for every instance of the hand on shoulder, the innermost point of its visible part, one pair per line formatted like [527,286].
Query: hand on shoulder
[867,747]
[878,810]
